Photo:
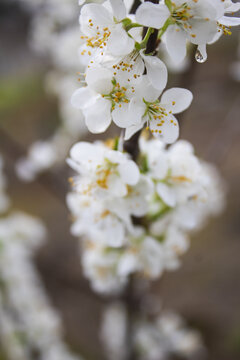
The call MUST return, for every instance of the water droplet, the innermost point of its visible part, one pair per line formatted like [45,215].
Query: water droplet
[199,57]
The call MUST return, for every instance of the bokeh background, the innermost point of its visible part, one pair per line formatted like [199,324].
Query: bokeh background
[206,289]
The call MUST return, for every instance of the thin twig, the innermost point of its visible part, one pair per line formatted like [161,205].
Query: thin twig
[130,298]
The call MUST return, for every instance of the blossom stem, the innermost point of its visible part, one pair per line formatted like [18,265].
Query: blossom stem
[143,44]
[168,3]
[131,299]
[132,25]
[164,28]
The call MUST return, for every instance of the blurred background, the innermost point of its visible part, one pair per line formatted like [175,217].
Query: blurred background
[206,289]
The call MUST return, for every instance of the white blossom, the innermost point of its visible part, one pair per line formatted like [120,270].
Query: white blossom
[156,338]
[102,29]
[194,21]
[107,171]
[113,331]
[159,114]
[187,190]
[28,322]
[165,337]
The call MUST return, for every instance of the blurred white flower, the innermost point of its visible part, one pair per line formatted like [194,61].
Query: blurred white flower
[28,323]
[107,172]
[165,337]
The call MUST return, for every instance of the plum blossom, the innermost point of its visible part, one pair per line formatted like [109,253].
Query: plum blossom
[108,172]
[114,97]
[108,267]
[159,114]
[103,99]
[107,193]
[224,24]
[167,335]
[187,190]
[132,66]
[99,266]
[190,20]
[91,217]
[35,325]
[174,193]
[130,104]
[113,331]
[156,337]
[102,29]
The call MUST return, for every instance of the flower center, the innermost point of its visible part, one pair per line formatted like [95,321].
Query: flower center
[117,95]
[181,13]
[224,29]
[156,112]
[104,172]
[99,40]
[128,65]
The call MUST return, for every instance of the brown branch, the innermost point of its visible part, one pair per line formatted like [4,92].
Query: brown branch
[131,146]
[130,298]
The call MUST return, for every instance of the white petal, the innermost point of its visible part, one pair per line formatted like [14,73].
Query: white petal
[131,130]
[136,62]
[158,166]
[206,9]
[166,193]
[232,7]
[176,100]
[229,21]
[82,98]
[152,15]
[128,263]
[99,79]
[98,116]
[202,31]
[98,15]
[168,132]
[119,10]
[129,172]
[136,110]
[116,186]
[83,152]
[145,90]
[176,43]
[125,116]
[83,54]
[119,43]
[156,71]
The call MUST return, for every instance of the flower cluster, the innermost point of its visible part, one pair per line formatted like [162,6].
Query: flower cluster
[135,217]
[28,323]
[117,88]
[112,63]
[30,327]
[199,22]
[167,335]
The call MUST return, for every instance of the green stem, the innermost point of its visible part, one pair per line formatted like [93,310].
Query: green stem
[143,44]
[159,214]
[164,28]
[168,3]
[132,25]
